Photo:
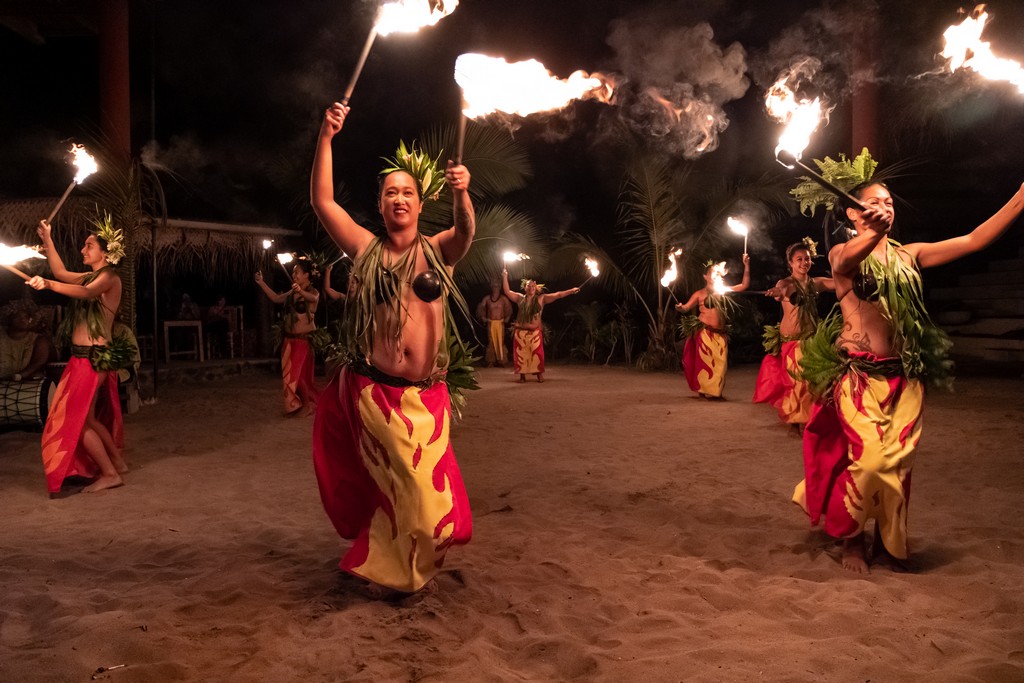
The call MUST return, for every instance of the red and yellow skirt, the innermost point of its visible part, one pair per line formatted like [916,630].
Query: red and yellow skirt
[297,365]
[778,386]
[705,359]
[528,351]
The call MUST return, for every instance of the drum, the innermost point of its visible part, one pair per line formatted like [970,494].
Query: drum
[25,404]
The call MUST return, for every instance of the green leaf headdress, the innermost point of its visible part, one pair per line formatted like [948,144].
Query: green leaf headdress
[417,163]
[845,174]
[113,237]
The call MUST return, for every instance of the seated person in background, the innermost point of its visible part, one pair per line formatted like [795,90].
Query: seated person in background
[217,326]
[25,346]
[189,310]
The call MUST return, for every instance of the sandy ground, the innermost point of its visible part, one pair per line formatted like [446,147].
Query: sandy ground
[623,531]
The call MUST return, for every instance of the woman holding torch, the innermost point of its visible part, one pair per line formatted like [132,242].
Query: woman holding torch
[84,434]
[868,363]
[777,383]
[297,357]
[706,350]
[387,474]
[528,335]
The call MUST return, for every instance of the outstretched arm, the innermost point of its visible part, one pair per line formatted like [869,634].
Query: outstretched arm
[929,254]
[348,235]
[779,291]
[331,293]
[455,242]
[53,258]
[271,294]
[873,224]
[555,296]
[745,282]
[690,303]
[103,282]
[822,284]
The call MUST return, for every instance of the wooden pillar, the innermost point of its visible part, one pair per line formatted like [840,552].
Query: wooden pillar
[115,95]
[864,114]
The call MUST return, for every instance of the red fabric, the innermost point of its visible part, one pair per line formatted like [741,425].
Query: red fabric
[770,385]
[826,457]
[63,454]
[692,362]
[342,441]
[297,364]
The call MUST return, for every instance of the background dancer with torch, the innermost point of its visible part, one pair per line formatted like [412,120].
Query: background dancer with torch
[84,434]
[387,474]
[868,363]
[528,333]
[706,350]
[298,359]
[777,382]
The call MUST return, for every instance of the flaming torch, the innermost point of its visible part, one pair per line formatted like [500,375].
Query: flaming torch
[592,266]
[86,165]
[965,49]
[718,272]
[671,273]
[801,117]
[740,228]
[284,259]
[512,257]
[491,84]
[402,16]
[11,255]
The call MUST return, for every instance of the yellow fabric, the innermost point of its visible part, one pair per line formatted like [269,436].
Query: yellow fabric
[797,402]
[888,428]
[713,349]
[496,338]
[399,454]
[527,357]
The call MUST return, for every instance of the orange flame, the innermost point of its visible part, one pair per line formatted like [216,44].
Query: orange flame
[800,116]
[965,49]
[285,259]
[718,272]
[12,255]
[491,84]
[673,271]
[84,162]
[510,257]
[591,265]
[408,16]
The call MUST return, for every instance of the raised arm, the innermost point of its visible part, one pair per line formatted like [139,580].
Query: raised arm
[455,242]
[873,224]
[515,296]
[271,294]
[929,254]
[332,293]
[53,258]
[555,296]
[745,282]
[312,296]
[690,303]
[348,235]
[824,284]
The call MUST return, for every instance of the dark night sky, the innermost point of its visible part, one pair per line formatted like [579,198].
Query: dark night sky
[239,95]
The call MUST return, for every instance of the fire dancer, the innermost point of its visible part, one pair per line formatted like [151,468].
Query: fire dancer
[868,363]
[528,335]
[494,311]
[84,432]
[387,474]
[706,350]
[297,356]
[777,383]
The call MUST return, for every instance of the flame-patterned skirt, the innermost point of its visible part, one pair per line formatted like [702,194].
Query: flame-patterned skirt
[297,365]
[859,455]
[388,477]
[63,453]
[705,359]
[778,386]
[528,351]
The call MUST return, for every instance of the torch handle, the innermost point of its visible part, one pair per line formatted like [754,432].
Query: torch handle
[61,202]
[359,66]
[460,137]
[16,272]
[844,197]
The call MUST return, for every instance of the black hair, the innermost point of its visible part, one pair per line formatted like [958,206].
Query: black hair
[795,247]
[310,269]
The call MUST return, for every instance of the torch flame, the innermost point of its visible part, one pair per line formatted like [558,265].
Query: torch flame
[491,84]
[672,272]
[800,116]
[409,16]
[718,272]
[285,258]
[9,256]
[738,226]
[268,243]
[84,162]
[965,49]
[510,257]
[591,265]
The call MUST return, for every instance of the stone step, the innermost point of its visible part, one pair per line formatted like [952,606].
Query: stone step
[986,354]
[991,327]
[1007,277]
[991,348]
[976,293]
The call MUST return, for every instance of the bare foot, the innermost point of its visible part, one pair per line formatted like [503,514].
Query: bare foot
[522,379]
[540,378]
[104,482]
[853,555]
[881,555]
[118,462]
